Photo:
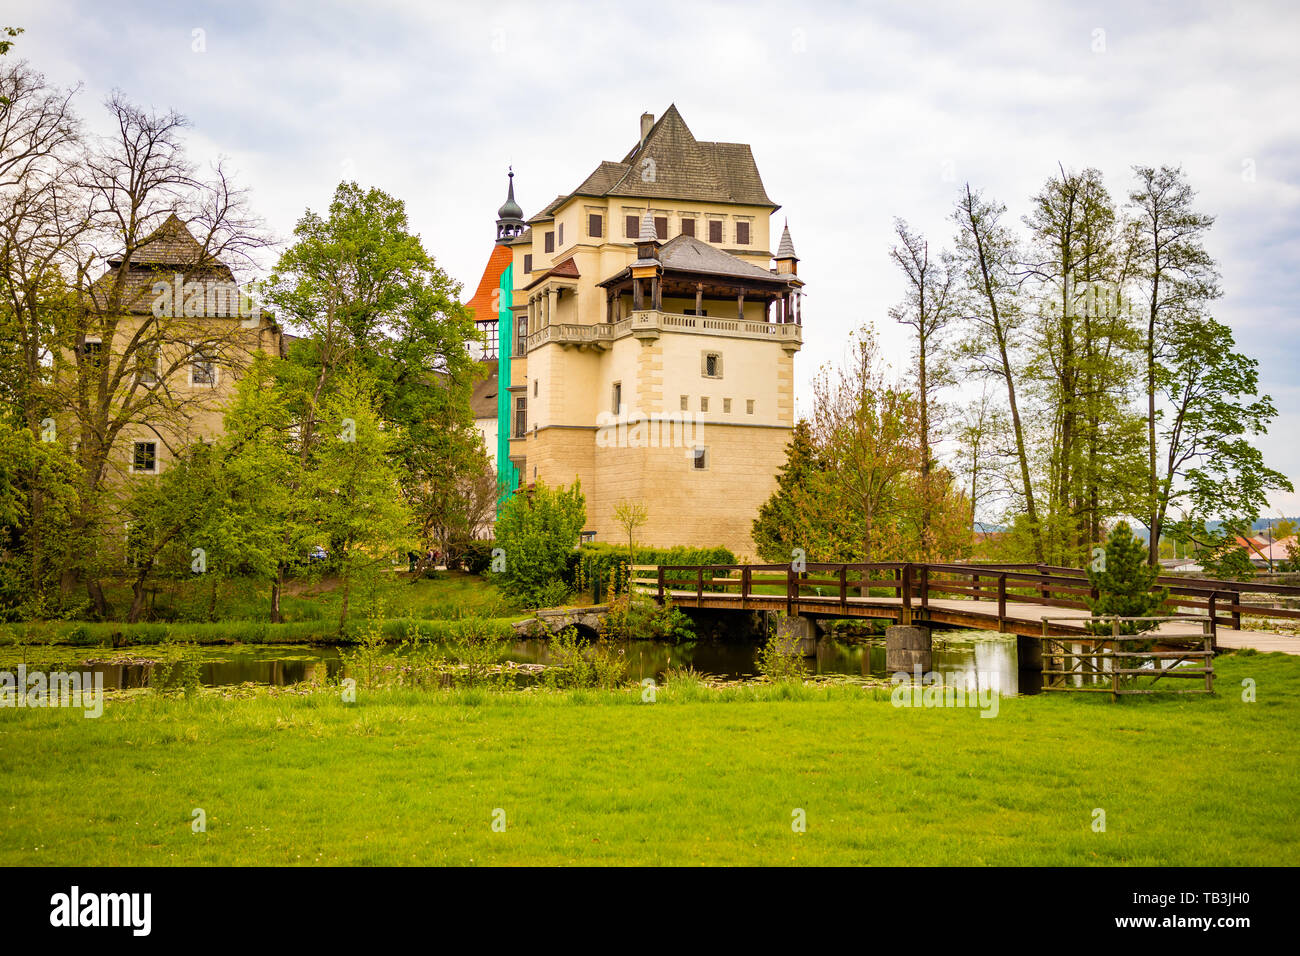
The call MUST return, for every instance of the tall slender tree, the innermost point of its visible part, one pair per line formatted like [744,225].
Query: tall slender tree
[1179,279]
[929,307]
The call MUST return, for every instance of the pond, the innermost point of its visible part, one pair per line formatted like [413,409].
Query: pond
[974,657]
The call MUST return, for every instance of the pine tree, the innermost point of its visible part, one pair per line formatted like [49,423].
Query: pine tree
[1125,584]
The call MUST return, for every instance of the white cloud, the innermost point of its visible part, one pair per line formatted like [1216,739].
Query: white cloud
[854,117]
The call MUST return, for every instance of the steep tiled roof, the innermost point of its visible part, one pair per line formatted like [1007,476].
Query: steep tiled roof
[169,250]
[684,168]
[688,254]
[786,249]
[171,244]
[566,269]
[672,164]
[549,211]
[481,304]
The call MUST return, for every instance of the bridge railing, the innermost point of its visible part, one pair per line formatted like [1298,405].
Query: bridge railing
[915,584]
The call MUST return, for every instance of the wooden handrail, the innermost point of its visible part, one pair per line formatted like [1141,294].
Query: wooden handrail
[1054,586]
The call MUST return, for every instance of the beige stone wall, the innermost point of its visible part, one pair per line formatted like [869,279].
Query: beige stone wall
[570,386]
[716,506]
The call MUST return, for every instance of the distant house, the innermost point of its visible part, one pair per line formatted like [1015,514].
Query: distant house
[1275,553]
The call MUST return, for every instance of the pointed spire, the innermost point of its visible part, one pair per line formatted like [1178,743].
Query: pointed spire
[648,233]
[510,209]
[786,249]
[510,217]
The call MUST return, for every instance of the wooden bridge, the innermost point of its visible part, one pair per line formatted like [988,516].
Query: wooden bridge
[1007,598]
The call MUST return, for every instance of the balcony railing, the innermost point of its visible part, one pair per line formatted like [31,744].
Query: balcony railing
[649,321]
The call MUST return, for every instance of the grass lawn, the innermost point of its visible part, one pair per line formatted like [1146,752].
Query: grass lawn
[700,776]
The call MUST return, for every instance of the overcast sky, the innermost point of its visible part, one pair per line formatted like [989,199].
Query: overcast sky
[856,114]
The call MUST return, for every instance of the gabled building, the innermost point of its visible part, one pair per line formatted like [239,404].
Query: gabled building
[646,335]
[175,308]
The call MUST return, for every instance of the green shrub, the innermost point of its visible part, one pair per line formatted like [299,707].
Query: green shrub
[600,565]
[638,618]
[780,660]
[1124,582]
[578,663]
[536,533]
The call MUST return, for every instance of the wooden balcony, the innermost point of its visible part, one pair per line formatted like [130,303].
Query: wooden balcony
[650,324]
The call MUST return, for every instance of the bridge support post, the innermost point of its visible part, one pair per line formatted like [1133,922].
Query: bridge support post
[1029,653]
[801,631]
[907,648]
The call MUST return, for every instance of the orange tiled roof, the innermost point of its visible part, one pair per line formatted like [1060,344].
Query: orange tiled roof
[481,305]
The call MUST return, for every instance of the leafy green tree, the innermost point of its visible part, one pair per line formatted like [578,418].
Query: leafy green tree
[1125,584]
[363,287]
[1178,280]
[537,533]
[38,491]
[355,486]
[788,519]
[1211,470]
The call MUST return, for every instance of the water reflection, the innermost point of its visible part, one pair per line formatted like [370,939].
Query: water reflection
[977,659]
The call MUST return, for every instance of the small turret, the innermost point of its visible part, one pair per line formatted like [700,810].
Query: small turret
[787,263]
[510,217]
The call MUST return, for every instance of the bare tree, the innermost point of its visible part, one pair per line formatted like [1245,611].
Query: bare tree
[929,307]
[987,252]
[125,361]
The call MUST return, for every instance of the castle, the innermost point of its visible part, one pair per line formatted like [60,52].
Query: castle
[642,337]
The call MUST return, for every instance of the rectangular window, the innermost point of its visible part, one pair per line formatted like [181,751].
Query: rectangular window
[203,370]
[528,262]
[726,406]
[521,334]
[742,233]
[93,351]
[521,416]
[561,234]
[490,333]
[749,406]
[535,384]
[630,228]
[700,459]
[144,458]
[715,230]
[688,228]
[147,364]
[661,227]
[595,225]
[618,397]
[704,403]
[550,242]
[686,402]
[712,365]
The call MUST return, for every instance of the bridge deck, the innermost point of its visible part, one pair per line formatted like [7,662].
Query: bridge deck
[1021,618]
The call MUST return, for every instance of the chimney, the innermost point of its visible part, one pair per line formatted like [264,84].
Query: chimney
[647,120]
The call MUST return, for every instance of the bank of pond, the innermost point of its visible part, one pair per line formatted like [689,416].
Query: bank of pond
[973,657]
